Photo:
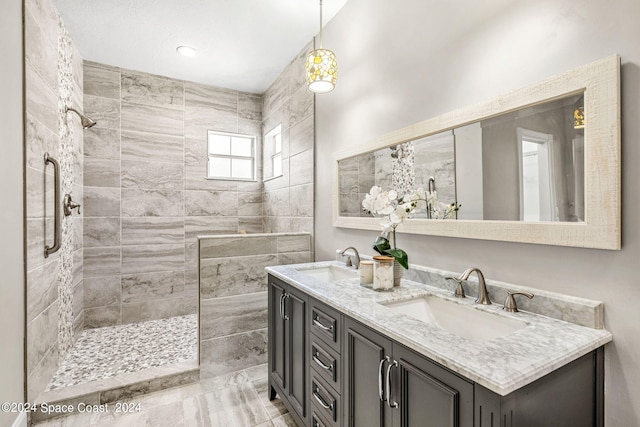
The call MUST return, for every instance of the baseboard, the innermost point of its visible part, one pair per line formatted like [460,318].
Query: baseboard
[21,421]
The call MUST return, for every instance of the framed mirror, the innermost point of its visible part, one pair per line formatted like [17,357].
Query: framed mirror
[538,165]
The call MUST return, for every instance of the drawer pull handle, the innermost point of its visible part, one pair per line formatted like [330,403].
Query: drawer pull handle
[391,365]
[316,423]
[321,401]
[321,363]
[316,321]
[380,387]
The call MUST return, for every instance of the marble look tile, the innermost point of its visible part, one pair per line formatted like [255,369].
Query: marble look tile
[303,196]
[78,225]
[101,261]
[40,140]
[151,174]
[42,289]
[152,310]
[41,51]
[234,276]
[191,254]
[299,225]
[231,353]
[285,420]
[276,95]
[277,202]
[195,151]
[293,243]
[296,69]
[275,407]
[207,225]
[198,120]
[280,116]
[250,204]
[301,167]
[101,202]
[102,291]
[39,377]
[209,203]
[301,136]
[235,246]
[151,286]
[100,317]
[152,230]
[78,266]
[196,179]
[294,258]
[152,203]
[151,258]
[98,232]
[201,95]
[148,146]
[101,81]
[301,106]
[102,143]
[41,337]
[36,240]
[153,90]
[250,224]
[46,15]
[229,406]
[105,111]
[101,172]
[250,106]
[42,101]
[145,118]
[232,315]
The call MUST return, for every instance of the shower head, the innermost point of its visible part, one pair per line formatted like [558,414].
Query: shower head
[84,120]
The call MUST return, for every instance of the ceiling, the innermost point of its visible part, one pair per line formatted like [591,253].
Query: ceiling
[241,44]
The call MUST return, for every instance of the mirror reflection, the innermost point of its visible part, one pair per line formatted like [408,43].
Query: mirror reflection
[525,165]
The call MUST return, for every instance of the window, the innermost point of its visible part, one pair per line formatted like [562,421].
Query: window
[231,156]
[272,160]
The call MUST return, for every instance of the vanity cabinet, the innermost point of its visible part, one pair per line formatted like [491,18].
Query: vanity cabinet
[386,384]
[331,370]
[288,341]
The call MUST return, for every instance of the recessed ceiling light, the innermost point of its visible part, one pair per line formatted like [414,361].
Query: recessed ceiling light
[186,51]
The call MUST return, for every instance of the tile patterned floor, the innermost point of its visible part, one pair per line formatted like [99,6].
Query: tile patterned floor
[106,352]
[238,399]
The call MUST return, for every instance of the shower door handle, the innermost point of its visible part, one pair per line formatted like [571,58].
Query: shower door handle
[57,229]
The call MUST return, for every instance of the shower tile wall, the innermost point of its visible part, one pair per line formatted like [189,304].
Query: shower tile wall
[146,195]
[233,296]
[289,199]
[53,69]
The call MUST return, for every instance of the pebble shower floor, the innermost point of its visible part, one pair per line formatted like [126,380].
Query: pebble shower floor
[106,352]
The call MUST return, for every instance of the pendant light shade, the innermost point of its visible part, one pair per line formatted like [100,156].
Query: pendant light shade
[322,70]
[321,67]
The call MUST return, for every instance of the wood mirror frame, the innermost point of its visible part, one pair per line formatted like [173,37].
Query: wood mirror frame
[600,82]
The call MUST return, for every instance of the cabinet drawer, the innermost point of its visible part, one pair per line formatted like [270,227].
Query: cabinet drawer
[326,324]
[317,420]
[325,361]
[325,401]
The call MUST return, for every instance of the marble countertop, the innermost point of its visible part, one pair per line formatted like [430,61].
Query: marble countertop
[502,365]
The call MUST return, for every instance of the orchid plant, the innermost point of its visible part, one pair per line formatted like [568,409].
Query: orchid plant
[393,210]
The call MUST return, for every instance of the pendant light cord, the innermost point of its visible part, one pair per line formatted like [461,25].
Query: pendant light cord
[320,24]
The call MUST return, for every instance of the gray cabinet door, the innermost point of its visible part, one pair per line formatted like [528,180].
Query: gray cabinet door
[295,306]
[427,394]
[363,352]
[277,362]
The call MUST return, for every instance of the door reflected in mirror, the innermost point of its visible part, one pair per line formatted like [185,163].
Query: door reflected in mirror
[524,165]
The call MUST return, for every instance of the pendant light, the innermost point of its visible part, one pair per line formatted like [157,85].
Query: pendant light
[321,67]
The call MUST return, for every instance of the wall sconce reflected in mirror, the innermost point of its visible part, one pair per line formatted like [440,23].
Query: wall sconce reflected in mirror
[578,118]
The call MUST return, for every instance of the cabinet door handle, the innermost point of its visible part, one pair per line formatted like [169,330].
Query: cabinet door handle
[380,387]
[321,401]
[316,321]
[281,305]
[284,305]
[391,365]
[321,363]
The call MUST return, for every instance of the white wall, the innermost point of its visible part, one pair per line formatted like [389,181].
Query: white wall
[437,56]
[11,217]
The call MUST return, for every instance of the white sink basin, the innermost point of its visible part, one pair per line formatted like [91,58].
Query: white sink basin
[462,320]
[330,273]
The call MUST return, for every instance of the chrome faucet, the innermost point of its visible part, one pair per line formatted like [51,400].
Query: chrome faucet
[356,257]
[483,295]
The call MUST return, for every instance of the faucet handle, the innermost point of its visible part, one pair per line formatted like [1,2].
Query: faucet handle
[349,262]
[459,293]
[510,303]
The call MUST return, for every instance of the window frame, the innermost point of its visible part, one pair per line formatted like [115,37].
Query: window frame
[231,157]
[270,153]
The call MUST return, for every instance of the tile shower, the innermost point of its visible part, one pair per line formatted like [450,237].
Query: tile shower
[128,264]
